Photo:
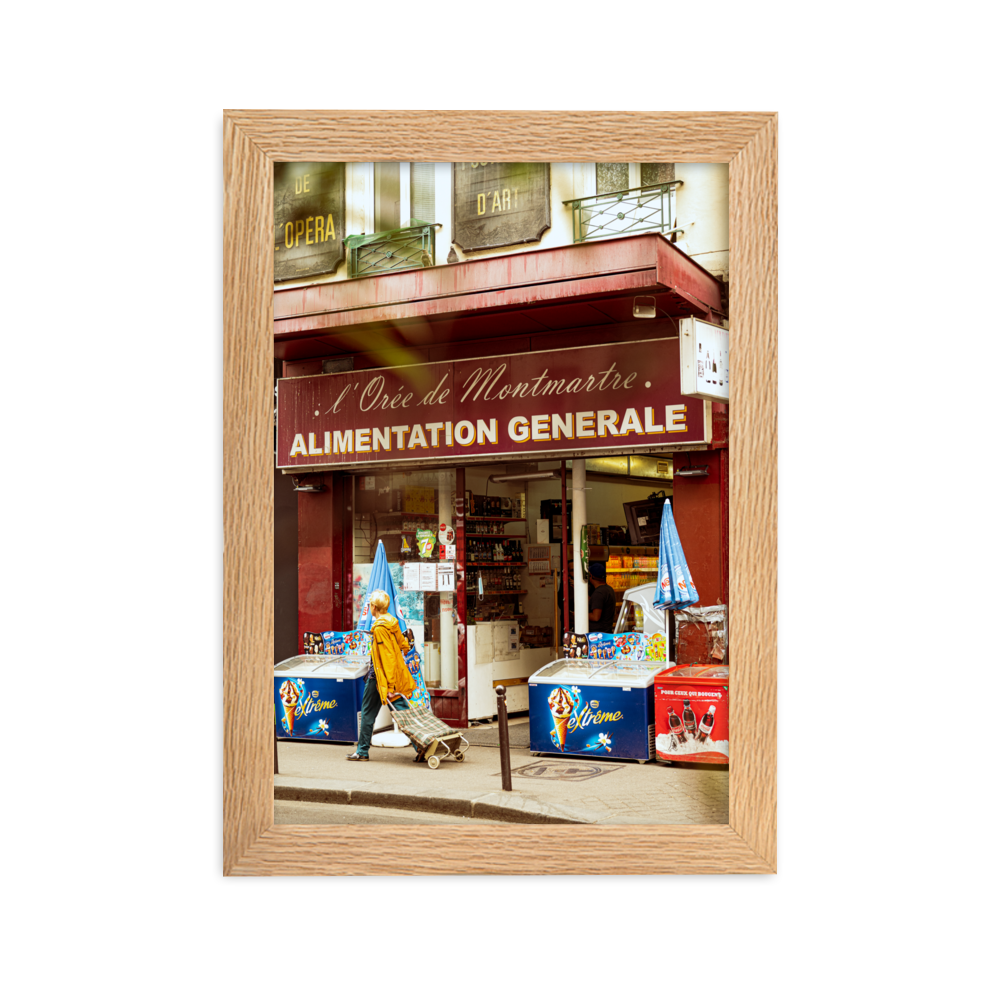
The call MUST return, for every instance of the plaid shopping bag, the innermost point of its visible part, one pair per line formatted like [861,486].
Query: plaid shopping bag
[420,724]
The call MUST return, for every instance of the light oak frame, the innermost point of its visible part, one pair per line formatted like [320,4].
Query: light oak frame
[253,141]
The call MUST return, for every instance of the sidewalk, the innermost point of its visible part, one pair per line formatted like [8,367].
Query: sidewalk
[555,789]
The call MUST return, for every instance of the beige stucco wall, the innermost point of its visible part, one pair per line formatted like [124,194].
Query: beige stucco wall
[702,209]
[703,212]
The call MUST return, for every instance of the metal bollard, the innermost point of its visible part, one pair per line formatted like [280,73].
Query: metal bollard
[504,738]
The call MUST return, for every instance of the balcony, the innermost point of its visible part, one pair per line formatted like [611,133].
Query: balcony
[394,250]
[623,213]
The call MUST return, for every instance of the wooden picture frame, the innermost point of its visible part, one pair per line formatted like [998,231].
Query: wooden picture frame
[253,140]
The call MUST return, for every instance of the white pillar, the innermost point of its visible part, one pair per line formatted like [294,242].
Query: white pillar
[449,655]
[581,622]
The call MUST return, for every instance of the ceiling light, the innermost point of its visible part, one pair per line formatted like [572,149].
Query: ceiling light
[522,477]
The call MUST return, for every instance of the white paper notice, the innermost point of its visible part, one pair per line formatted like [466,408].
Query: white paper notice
[446,576]
[450,551]
[428,576]
[411,576]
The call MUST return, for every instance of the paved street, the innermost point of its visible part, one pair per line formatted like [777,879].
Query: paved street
[545,789]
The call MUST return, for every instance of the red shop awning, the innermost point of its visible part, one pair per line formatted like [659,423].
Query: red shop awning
[525,294]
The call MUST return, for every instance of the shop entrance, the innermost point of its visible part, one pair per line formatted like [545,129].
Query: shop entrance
[477,557]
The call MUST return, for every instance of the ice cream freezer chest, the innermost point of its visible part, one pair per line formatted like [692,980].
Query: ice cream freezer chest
[692,713]
[592,707]
[319,698]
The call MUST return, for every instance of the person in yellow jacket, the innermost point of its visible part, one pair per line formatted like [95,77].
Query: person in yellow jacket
[389,679]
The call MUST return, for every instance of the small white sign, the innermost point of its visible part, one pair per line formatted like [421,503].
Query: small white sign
[428,576]
[446,533]
[411,576]
[704,360]
[445,576]
[450,552]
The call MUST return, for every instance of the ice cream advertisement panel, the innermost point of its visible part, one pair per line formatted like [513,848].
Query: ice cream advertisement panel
[320,708]
[605,721]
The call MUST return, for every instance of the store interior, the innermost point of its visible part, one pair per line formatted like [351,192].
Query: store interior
[513,566]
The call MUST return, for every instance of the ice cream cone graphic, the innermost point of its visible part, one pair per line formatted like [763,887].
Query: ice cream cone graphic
[289,695]
[561,707]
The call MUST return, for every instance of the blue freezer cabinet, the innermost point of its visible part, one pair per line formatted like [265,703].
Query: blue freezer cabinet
[319,698]
[593,708]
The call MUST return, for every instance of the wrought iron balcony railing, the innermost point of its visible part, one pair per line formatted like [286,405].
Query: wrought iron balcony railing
[651,208]
[394,250]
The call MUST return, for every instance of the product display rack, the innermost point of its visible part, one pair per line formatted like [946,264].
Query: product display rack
[473,535]
[476,517]
[494,593]
[469,563]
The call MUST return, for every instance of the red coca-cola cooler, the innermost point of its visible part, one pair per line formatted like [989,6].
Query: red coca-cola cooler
[691,708]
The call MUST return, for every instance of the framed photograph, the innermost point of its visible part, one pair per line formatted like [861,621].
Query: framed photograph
[284,222]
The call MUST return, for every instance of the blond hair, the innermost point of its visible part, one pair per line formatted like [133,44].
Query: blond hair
[379,600]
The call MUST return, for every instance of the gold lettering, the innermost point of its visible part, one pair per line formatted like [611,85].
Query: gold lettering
[309,225]
[305,183]
[496,201]
[300,228]
[331,232]
[320,238]
[506,198]
[288,234]
[480,203]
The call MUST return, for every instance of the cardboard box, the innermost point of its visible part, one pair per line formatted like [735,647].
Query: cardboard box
[419,500]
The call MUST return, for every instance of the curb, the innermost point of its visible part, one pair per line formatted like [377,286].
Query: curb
[503,807]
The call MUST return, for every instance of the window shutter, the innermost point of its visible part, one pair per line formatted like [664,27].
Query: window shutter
[612,177]
[422,192]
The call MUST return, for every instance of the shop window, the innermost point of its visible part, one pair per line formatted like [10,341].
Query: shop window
[405,511]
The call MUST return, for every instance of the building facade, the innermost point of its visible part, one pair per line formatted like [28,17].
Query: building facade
[456,345]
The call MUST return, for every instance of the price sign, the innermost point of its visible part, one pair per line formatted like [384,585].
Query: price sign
[446,576]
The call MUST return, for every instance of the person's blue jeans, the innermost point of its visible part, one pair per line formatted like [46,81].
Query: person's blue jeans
[370,705]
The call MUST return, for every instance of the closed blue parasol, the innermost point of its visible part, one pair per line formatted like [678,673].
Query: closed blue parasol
[381,579]
[674,589]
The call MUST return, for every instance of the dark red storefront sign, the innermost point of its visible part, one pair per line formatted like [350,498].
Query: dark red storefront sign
[599,398]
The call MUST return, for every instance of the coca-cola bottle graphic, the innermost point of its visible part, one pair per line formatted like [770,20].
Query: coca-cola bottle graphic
[676,726]
[690,719]
[707,722]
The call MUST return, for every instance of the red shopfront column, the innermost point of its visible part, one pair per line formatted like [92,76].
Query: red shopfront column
[701,510]
[323,582]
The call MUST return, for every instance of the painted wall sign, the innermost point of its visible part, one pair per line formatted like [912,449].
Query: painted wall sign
[611,396]
[308,219]
[704,360]
[500,204]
